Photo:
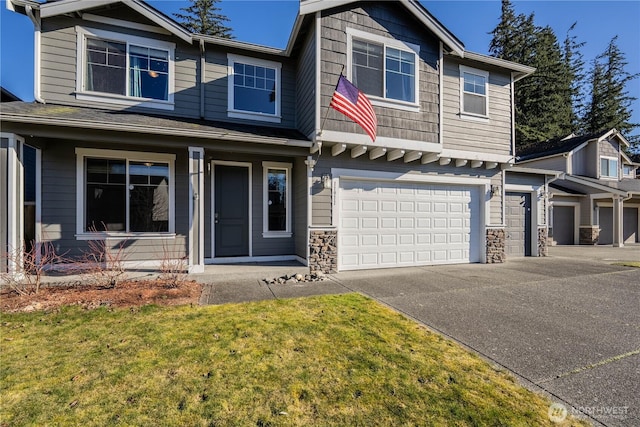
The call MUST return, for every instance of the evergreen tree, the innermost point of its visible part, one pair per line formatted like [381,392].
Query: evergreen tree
[203,17]
[545,101]
[574,69]
[610,102]
[513,36]
[544,98]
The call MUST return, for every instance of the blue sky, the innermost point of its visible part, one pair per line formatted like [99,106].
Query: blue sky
[269,23]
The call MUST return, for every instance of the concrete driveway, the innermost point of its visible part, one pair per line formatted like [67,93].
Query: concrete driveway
[567,325]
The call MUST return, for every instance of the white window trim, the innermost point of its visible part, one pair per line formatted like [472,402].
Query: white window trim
[252,115]
[395,44]
[481,73]
[609,177]
[265,200]
[631,173]
[129,101]
[136,156]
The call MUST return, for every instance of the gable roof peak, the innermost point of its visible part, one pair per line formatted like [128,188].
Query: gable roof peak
[414,6]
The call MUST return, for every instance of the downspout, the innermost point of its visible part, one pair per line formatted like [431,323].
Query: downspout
[36,50]
[203,61]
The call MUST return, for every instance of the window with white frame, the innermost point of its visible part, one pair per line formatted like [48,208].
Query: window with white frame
[608,167]
[124,69]
[125,192]
[384,68]
[627,171]
[254,89]
[277,199]
[474,93]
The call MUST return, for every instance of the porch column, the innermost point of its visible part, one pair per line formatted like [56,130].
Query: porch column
[195,246]
[618,238]
[11,202]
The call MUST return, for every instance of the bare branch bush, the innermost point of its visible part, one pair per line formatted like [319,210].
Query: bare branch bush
[30,266]
[173,269]
[104,266]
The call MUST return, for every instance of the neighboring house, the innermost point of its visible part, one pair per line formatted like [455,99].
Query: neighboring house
[598,199]
[224,151]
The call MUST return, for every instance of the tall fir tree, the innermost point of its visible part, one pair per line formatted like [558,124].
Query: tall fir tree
[610,102]
[543,101]
[574,69]
[203,17]
[544,98]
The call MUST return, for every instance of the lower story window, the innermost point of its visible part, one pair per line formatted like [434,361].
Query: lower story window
[127,195]
[277,199]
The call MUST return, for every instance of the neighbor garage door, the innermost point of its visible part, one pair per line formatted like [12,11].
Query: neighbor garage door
[564,225]
[396,224]
[629,225]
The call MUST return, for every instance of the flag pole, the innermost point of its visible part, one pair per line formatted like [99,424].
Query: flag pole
[324,121]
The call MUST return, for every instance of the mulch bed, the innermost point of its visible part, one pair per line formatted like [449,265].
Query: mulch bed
[131,293]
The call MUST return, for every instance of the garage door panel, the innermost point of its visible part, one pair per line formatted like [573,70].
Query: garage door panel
[388,206]
[347,223]
[412,224]
[388,223]
[423,223]
[388,239]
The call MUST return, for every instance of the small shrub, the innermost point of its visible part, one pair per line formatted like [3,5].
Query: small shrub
[29,266]
[173,270]
[103,265]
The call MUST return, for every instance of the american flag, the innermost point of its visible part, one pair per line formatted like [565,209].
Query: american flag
[351,102]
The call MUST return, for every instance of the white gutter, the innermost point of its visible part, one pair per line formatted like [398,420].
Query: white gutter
[36,53]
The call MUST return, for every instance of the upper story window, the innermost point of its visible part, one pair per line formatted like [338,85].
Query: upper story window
[123,69]
[627,171]
[124,192]
[474,93]
[386,69]
[254,89]
[608,167]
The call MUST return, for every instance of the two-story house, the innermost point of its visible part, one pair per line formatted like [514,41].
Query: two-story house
[597,201]
[227,151]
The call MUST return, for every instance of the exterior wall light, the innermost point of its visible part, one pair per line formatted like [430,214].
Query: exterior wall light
[326,181]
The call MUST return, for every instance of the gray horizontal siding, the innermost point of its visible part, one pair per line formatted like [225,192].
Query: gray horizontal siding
[556,163]
[306,84]
[459,133]
[524,179]
[495,205]
[382,19]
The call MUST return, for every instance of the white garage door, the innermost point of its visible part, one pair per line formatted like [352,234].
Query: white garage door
[397,224]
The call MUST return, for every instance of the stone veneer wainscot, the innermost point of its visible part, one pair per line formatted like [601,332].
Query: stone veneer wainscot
[495,246]
[323,251]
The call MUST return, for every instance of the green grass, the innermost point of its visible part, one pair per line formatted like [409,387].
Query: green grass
[628,263]
[333,360]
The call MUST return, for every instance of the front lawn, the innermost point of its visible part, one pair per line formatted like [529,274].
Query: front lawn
[333,360]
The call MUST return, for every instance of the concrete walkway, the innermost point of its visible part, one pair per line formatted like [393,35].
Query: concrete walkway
[567,325]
